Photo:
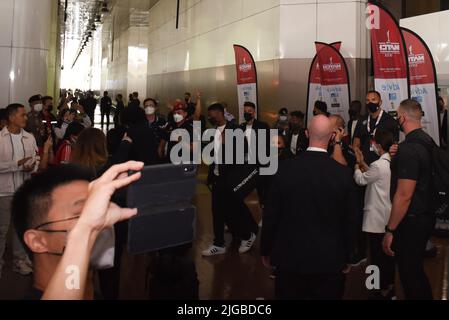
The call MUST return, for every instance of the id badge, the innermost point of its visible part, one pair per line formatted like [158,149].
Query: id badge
[371,145]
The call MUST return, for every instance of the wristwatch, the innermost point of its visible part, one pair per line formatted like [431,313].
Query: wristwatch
[340,143]
[388,230]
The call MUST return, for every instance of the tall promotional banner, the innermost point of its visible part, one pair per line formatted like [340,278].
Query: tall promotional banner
[246,78]
[329,81]
[389,58]
[423,81]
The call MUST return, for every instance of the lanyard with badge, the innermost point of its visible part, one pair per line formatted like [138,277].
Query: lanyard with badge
[372,142]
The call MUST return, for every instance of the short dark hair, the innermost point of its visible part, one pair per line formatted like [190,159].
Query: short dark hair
[384,138]
[33,200]
[74,128]
[188,94]
[321,105]
[216,107]
[297,114]
[135,94]
[356,104]
[3,114]
[150,99]
[46,98]
[249,104]
[375,92]
[35,98]
[283,111]
[12,109]
[120,96]
[105,92]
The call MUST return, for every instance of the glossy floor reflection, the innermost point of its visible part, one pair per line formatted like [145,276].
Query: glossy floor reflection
[231,276]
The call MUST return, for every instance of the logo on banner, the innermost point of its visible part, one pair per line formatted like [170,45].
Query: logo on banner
[331,66]
[389,48]
[415,59]
[245,66]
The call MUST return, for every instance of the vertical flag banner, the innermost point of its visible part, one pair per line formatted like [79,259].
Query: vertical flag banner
[246,78]
[389,59]
[329,81]
[423,81]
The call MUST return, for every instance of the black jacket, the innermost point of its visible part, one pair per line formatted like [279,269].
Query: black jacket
[223,169]
[301,144]
[310,220]
[257,127]
[444,129]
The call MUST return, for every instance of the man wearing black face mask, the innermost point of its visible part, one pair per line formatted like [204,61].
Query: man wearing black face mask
[411,221]
[227,207]
[250,125]
[45,209]
[366,129]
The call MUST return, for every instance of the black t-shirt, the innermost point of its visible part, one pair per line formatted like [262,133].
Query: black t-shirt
[158,126]
[188,126]
[387,123]
[414,162]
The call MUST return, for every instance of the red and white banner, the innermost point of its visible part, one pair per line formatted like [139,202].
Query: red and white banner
[246,78]
[389,58]
[329,81]
[423,81]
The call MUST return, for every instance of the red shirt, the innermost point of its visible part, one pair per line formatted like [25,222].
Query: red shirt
[64,154]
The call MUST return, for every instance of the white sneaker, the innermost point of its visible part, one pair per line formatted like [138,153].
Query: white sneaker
[246,245]
[213,251]
[22,267]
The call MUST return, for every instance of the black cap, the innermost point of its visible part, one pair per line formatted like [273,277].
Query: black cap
[283,112]
[35,98]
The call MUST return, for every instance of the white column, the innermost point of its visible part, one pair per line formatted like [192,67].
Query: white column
[24,49]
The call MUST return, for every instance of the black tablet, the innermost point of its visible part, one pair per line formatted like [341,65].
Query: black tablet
[166,217]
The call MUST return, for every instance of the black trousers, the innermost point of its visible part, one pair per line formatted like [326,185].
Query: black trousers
[232,211]
[385,263]
[291,285]
[105,112]
[410,245]
[360,250]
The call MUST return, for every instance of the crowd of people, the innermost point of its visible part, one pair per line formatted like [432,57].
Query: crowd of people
[342,190]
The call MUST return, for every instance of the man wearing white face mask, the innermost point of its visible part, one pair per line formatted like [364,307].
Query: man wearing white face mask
[377,208]
[155,121]
[34,122]
[46,208]
[181,120]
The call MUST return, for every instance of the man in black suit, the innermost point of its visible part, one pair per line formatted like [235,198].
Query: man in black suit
[355,110]
[310,221]
[377,119]
[105,107]
[297,141]
[227,207]
[252,125]
[443,118]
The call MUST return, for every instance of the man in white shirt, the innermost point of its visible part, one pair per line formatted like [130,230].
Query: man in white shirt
[377,209]
[18,158]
